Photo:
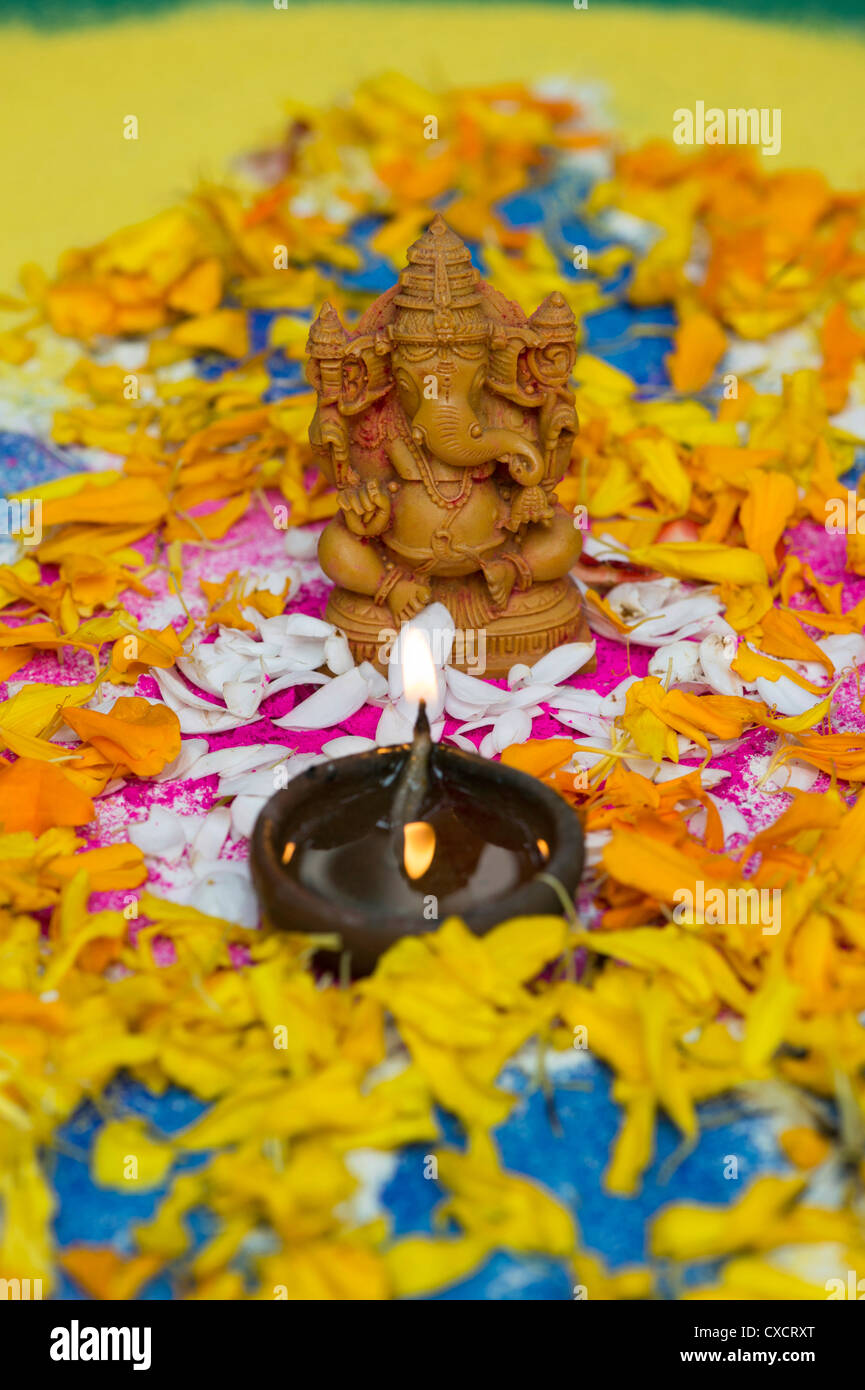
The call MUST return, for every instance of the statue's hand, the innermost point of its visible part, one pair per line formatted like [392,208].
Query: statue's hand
[525,469]
[408,597]
[367,509]
[529,505]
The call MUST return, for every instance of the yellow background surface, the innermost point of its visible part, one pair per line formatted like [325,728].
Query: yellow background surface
[206,83]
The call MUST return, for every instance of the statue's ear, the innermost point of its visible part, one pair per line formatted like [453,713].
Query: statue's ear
[551,361]
[366,375]
[508,348]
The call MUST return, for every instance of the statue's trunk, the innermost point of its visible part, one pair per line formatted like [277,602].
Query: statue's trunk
[453,434]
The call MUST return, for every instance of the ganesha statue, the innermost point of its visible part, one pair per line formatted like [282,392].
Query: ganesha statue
[445,422]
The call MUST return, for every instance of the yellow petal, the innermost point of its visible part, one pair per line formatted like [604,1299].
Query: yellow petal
[128,1159]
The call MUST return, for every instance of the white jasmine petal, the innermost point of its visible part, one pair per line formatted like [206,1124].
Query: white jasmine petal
[462,742]
[292,678]
[457,709]
[480,723]
[264,781]
[300,638]
[510,728]
[245,811]
[376,683]
[347,745]
[332,704]
[208,667]
[337,654]
[212,835]
[177,695]
[243,699]
[161,836]
[192,825]
[393,727]
[785,696]
[228,761]
[229,895]
[844,649]
[595,843]
[677,663]
[604,548]
[191,752]
[732,820]
[295,625]
[563,662]
[717,654]
[470,690]
[301,543]
[518,674]
[584,701]
[591,724]
[615,701]
[792,775]
[526,698]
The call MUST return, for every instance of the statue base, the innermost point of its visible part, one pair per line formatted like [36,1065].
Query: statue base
[488,641]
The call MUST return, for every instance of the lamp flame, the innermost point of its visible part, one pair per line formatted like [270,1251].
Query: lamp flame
[419,847]
[419,678]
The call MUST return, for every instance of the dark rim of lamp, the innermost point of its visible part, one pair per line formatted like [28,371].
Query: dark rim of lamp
[291,906]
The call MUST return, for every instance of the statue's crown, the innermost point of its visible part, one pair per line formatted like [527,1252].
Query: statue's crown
[327,337]
[554,318]
[438,294]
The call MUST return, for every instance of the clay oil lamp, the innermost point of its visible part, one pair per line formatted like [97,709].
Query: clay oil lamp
[391,842]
